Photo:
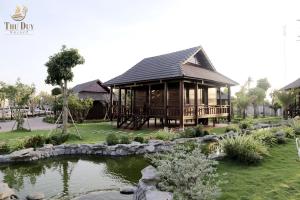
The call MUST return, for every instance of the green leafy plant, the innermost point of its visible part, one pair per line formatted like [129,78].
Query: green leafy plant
[34,141]
[266,137]
[295,124]
[124,139]
[244,149]
[4,148]
[187,173]
[139,139]
[289,132]
[231,128]
[245,124]
[57,139]
[164,135]
[112,139]
[188,133]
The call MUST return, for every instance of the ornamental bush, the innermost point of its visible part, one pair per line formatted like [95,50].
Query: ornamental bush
[112,139]
[34,141]
[124,139]
[57,139]
[139,139]
[187,173]
[4,148]
[164,135]
[266,137]
[244,149]
[231,128]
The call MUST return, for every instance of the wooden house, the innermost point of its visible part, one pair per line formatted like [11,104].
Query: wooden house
[294,109]
[99,93]
[174,89]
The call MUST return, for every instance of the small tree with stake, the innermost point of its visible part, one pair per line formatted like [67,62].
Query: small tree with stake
[60,72]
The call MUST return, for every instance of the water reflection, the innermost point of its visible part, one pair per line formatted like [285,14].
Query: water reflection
[67,177]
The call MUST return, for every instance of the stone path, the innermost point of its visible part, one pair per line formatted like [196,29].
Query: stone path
[36,123]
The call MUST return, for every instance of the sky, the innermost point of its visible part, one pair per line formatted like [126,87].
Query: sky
[256,38]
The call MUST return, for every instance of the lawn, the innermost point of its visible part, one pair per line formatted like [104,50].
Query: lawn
[278,177]
[90,133]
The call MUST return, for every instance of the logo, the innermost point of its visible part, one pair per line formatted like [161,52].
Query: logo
[20,13]
[19,27]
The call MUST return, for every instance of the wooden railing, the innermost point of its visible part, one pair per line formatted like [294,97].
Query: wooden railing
[173,111]
[207,110]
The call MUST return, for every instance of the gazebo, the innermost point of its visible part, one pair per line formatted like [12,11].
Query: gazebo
[174,89]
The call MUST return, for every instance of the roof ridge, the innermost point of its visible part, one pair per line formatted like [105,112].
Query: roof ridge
[183,62]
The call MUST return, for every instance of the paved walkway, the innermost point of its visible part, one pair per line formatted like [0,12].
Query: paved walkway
[36,123]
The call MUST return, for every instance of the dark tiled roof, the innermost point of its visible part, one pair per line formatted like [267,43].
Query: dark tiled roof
[205,74]
[91,86]
[168,66]
[293,85]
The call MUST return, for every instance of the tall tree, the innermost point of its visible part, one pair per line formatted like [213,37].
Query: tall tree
[257,96]
[285,98]
[19,95]
[59,68]
[242,100]
[2,98]
[265,85]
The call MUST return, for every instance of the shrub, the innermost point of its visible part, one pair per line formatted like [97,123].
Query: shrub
[139,139]
[4,148]
[231,128]
[289,132]
[57,139]
[164,135]
[124,139]
[244,149]
[245,124]
[199,131]
[112,139]
[18,145]
[188,133]
[34,141]
[295,124]
[189,174]
[206,132]
[266,137]
[209,148]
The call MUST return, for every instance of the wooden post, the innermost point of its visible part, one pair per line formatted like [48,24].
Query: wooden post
[131,101]
[125,100]
[196,104]
[149,105]
[111,104]
[119,109]
[229,104]
[220,96]
[181,103]
[166,104]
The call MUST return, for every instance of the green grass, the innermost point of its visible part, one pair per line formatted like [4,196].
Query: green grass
[216,130]
[277,177]
[90,133]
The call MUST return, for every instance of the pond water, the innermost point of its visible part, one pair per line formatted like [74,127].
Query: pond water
[70,177]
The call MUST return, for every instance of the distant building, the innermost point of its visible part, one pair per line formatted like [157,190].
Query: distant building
[99,93]
[294,109]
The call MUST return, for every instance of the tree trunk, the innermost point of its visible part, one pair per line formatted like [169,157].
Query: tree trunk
[65,108]
[244,114]
[255,111]
[264,110]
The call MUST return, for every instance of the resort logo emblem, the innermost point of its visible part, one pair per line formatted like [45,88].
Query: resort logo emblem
[20,13]
[19,27]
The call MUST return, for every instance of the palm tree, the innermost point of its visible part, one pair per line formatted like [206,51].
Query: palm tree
[285,98]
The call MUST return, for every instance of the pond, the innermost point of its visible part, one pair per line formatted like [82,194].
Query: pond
[70,177]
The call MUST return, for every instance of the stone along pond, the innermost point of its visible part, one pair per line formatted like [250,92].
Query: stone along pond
[74,178]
